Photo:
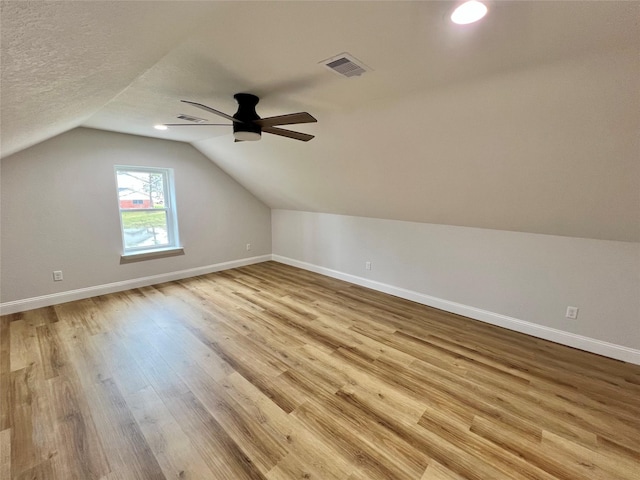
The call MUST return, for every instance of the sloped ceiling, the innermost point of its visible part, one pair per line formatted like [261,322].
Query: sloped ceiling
[527,121]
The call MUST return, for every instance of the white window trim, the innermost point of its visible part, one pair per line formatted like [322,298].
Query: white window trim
[150,255]
[173,247]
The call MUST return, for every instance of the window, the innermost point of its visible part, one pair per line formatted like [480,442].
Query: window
[147,210]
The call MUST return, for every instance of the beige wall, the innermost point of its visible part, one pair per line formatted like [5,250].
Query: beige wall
[59,211]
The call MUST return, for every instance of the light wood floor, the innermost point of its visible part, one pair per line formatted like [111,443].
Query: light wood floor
[270,372]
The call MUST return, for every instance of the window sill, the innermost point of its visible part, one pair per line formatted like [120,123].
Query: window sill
[150,255]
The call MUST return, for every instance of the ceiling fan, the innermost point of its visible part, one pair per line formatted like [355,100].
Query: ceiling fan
[247,124]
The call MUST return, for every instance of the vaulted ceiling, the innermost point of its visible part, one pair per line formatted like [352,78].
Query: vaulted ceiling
[526,121]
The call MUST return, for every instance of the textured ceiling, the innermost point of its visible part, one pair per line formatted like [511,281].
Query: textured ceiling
[388,144]
[64,61]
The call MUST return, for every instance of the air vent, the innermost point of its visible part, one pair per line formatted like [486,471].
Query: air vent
[189,118]
[346,65]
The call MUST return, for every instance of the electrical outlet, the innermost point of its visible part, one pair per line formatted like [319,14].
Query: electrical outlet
[248,247]
[57,276]
[367,265]
[572,312]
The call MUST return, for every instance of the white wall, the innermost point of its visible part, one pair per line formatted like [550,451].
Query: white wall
[521,281]
[60,212]
[551,149]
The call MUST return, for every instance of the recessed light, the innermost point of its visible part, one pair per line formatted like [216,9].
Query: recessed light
[469,12]
[160,127]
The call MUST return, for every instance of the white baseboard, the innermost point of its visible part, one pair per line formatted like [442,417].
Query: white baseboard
[588,344]
[592,345]
[81,293]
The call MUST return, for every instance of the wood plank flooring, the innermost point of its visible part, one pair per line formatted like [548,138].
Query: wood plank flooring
[270,372]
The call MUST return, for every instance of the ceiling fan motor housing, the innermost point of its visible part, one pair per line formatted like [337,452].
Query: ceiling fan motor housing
[246,113]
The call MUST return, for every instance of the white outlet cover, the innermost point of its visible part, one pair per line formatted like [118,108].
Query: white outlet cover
[572,312]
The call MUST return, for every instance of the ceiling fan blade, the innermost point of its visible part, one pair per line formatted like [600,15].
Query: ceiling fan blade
[305,137]
[212,110]
[289,119]
[197,124]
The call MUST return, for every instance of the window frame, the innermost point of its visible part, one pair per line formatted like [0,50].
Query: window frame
[169,207]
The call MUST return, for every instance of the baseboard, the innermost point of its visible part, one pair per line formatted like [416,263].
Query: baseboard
[588,344]
[81,293]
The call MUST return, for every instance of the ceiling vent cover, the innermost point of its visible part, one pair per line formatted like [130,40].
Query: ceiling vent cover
[346,65]
[190,118]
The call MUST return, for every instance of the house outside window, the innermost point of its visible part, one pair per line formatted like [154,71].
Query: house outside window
[146,201]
